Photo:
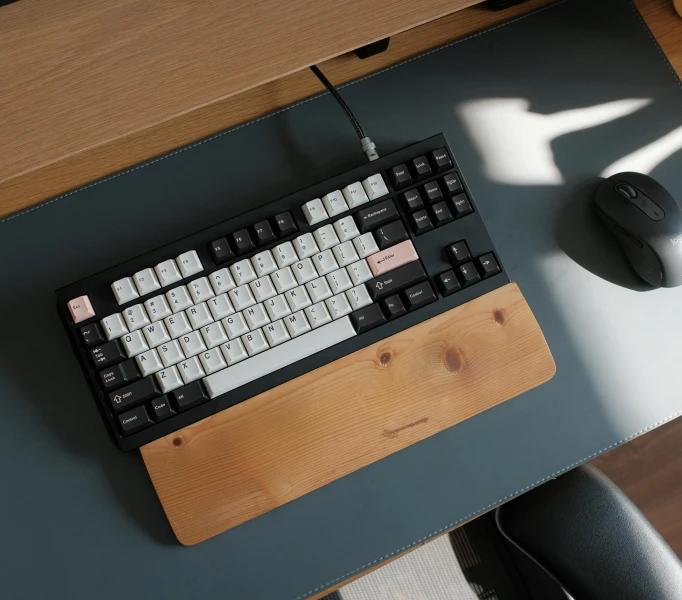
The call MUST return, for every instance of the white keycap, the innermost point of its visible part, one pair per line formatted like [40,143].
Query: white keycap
[264,263]
[277,307]
[319,290]
[285,255]
[177,325]
[255,342]
[243,272]
[338,306]
[189,263]
[179,298]
[241,297]
[136,317]
[358,297]
[359,272]
[199,315]
[124,290]
[167,272]
[305,245]
[146,282]
[222,281]
[304,271]
[298,298]
[156,334]
[326,237]
[256,316]
[318,315]
[220,306]
[284,280]
[345,254]
[346,228]
[170,353]
[276,333]
[200,290]
[235,325]
[169,379]
[314,211]
[355,194]
[192,343]
[325,262]
[279,357]
[212,360]
[158,308]
[334,203]
[375,187]
[134,343]
[234,351]
[191,370]
[339,281]
[149,362]
[214,335]
[297,324]
[114,326]
[263,289]
[365,245]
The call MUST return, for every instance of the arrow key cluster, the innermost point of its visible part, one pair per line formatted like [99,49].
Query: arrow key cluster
[466,269]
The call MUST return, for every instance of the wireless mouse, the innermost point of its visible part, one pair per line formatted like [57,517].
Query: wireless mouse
[647,221]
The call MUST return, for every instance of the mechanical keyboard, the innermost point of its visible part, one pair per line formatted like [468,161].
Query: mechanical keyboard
[208,321]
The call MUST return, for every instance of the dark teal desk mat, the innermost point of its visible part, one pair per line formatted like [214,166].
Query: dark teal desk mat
[81,520]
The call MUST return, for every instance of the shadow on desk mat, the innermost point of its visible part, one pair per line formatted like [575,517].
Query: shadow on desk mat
[587,84]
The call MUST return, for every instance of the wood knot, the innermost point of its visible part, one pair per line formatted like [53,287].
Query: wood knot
[177,442]
[453,360]
[385,358]
[500,317]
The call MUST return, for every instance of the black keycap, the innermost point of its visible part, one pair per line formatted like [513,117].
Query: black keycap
[462,206]
[400,176]
[487,265]
[452,183]
[394,307]
[433,191]
[441,160]
[134,394]
[421,167]
[441,213]
[189,395]
[92,334]
[161,408]
[134,420]
[389,283]
[368,317]
[390,235]
[458,252]
[263,233]
[221,251]
[243,242]
[120,374]
[376,215]
[412,200]
[419,295]
[468,275]
[448,283]
[285,224]
[107,354]
[421,223]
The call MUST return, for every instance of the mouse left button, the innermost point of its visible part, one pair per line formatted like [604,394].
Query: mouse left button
[81,309]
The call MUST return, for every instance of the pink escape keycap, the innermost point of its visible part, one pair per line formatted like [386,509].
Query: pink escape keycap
[81,309]
[392,258]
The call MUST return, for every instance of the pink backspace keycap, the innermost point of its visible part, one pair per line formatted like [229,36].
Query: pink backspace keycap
[392,258]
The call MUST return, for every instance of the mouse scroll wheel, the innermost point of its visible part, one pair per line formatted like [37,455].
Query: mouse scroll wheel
[626,190]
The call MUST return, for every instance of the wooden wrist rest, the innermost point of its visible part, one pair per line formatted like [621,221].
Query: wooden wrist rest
[299,436]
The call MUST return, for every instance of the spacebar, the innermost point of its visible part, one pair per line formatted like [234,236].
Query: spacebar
[278,357]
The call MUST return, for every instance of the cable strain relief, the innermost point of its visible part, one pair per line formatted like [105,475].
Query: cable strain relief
[369,148]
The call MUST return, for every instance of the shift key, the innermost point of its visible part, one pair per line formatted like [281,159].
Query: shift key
[389,283]
[134,394]
[376,215]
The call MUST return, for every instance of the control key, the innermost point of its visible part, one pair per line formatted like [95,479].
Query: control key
[134,420]
[419,295]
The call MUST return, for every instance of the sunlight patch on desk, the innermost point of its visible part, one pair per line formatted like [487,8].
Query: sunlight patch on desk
[515,143]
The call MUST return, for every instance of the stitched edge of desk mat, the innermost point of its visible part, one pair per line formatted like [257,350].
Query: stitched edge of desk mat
[519,491]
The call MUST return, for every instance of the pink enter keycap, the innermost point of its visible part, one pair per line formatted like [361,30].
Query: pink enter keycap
[81,309]
[392,258]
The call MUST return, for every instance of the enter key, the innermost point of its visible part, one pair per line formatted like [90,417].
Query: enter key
[392,258]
